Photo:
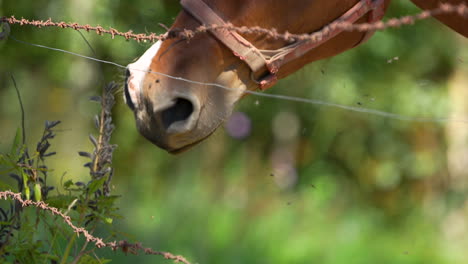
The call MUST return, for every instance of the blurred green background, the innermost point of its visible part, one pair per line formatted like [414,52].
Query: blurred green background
[310,184]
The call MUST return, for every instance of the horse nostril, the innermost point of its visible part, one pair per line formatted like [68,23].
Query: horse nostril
[180,111]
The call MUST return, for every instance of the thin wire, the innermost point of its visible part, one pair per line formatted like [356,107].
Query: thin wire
[272,96]
[18,94]
[95,54]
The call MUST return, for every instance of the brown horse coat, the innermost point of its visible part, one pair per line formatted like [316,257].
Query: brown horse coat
[175,114]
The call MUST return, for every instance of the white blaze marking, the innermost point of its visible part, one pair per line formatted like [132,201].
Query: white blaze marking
[138,71]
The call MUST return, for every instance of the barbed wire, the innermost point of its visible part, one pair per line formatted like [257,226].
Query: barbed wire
[126,247]
[443,8]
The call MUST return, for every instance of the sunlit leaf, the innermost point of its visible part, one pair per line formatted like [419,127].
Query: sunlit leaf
[37,192]
[60,201]
[67,184]
[96,184]
[16,142]
[27,191]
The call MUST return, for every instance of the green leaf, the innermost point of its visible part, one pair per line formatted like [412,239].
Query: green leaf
[37,192]
[67,184]
[16,142]
[107,201]
[87,259]
[27,191]
[60,201]
[51,257]
[5,186]
[96,184]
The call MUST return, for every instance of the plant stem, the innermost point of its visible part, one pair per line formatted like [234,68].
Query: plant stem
[73,238]
[67,250]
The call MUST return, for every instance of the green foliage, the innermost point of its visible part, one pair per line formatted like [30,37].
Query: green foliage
[32,235]
[382,189]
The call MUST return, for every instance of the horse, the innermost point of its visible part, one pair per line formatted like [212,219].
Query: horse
[176,115]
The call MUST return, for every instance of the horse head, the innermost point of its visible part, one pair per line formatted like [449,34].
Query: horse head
[174,113]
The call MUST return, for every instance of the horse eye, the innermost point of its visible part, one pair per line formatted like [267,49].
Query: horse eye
[128,99]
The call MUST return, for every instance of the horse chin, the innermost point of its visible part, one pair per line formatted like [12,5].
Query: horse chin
[191,145]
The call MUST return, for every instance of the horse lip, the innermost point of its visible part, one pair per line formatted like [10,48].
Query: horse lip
[127,96]
[136,74]
[187,147]
[131,93]
[191,145]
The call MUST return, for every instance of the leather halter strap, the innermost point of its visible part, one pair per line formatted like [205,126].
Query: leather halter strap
[266,64]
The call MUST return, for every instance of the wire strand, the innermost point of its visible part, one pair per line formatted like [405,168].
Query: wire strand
[265,95]
[443,8]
